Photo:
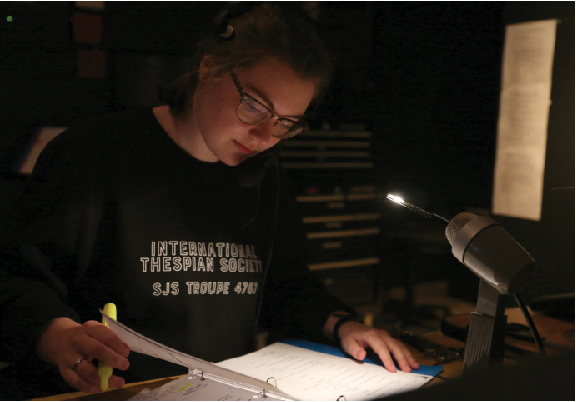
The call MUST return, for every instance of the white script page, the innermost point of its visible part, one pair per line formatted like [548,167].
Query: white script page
[309,375]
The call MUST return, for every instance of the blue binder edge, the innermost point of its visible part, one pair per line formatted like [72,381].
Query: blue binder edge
[331,350]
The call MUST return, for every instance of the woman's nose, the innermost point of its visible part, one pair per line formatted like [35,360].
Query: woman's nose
[263,132]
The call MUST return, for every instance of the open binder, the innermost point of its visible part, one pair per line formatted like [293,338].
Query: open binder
[291,370]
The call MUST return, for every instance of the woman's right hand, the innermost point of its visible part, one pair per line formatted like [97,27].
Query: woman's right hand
[65,342]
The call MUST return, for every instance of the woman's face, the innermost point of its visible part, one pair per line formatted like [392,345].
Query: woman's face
[222,136]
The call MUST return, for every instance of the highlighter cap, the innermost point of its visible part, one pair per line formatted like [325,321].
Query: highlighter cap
[110,311]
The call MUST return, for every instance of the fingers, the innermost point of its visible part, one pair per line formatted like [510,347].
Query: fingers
[401,354]
[356,351]
[357,337]
[381,345]
[82,344]
[386,345]
[66,342]
[84,377]
[77,380]
[106,336]
[99,342]
[412,362]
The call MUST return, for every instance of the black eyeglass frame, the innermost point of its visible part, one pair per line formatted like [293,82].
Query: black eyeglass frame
[297,127]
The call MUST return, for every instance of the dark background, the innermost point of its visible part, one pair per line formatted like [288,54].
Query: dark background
[424,77]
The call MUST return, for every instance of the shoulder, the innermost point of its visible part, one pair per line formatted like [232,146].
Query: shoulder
[114,126]
[95,141]
[109,132]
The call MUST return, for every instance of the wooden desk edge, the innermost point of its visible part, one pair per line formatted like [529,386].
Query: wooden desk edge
[112,394]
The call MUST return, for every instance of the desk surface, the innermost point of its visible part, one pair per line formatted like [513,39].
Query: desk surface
[555,331]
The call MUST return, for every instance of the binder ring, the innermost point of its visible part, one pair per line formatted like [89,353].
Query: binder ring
[343,398]
[268,381]
[264,389]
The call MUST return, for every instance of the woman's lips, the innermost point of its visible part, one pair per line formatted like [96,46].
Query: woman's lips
[242,148]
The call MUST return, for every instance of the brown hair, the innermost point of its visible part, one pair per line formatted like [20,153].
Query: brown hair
[266,31]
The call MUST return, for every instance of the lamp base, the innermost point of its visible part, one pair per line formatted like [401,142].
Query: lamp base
[486,333]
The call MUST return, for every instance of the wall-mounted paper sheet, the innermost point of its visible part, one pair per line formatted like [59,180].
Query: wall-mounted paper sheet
[523,120]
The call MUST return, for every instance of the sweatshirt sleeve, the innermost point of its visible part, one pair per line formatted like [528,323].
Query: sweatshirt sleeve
[295,301]
[39,248]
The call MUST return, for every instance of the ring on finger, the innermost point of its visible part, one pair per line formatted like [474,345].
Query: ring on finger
[77,363]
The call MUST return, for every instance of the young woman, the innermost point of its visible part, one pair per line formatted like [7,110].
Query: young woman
[151,210]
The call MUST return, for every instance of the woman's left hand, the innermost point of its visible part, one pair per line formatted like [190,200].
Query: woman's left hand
[355,337]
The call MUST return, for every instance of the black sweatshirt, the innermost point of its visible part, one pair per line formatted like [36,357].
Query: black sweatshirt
[116,212]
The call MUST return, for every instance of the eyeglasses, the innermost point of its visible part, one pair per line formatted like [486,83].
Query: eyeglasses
[251,111]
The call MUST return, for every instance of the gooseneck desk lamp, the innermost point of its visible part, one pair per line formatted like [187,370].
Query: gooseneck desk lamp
[504,268]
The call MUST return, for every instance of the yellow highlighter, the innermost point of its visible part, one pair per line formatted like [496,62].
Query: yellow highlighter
[104,369]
